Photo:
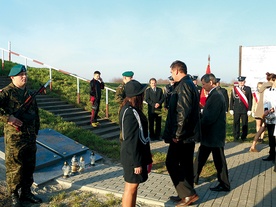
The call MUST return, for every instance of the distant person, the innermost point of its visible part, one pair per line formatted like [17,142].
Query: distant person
[224,92]
[199,88]
[154,99]
[258,113]
[168,92]
[135,147]
[213,128]
[182,129]
[20,137]
[240,107]
[270,113]
[96,86]
[120,91]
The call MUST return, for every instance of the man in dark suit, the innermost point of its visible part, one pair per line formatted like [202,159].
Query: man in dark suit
[154,98]
[224,92]
[213,126]
[240,107]
[199,88]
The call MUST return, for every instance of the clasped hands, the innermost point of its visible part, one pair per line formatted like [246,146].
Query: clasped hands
[15,122]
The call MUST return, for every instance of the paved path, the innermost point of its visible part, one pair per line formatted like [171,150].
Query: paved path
[253,181]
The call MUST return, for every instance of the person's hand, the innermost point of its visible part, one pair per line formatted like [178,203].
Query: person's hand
[156,105]
[137,170]
[176,140]
[248,113]
[13,121]
[231,112]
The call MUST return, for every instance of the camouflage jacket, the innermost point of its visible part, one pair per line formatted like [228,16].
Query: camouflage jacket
[120,93]
[11,98]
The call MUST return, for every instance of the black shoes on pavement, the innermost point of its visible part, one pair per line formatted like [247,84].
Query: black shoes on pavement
[30,198]
[269,158]
[15,202]
[219,188]
[175,198]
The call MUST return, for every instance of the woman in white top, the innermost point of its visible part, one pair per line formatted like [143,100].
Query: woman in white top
[270,113]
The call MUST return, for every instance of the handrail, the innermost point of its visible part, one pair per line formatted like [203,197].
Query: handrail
[50,74]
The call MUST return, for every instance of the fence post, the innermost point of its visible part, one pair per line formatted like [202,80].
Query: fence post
[9,48]
[3,60]
[78,90]
[50,79]
[106,103]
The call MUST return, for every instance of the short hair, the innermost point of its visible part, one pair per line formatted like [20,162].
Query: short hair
[152,79]
[209,77]
[97,72]
[270,76]
[181,66]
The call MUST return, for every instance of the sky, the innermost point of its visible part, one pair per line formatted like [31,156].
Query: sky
[144,36]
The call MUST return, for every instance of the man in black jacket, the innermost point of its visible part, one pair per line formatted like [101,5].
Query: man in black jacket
[213,128]
[224,92]
[182,129]
[96,86]
[155,99]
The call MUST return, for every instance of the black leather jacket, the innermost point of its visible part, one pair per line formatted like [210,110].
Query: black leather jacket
[183,119]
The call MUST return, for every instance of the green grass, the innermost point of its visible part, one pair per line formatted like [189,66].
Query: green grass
[81,199]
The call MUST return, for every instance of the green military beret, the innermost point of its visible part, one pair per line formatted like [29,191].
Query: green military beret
[128,74]
[17,69]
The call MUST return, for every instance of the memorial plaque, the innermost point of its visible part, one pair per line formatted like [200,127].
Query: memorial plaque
[60,144]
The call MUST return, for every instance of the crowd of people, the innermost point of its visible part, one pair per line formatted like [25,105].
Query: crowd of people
[187,122]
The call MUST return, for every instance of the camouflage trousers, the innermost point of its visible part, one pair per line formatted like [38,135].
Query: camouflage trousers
[20,159]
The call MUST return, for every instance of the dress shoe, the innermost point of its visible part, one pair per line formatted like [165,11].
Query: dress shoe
[268,158]
[219,188]
[253,150]
[30,197]
[187,200]
[175,198]
[15,202]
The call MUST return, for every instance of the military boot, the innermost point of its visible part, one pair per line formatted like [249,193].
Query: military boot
[15,202]
[28,196]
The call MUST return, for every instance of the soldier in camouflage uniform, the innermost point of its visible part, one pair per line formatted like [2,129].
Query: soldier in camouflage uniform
[120,91]
[20,137]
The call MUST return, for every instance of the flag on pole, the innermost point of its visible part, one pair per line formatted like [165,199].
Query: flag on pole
[203,93]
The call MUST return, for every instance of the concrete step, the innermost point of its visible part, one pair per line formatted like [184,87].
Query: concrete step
[42,98]
[66,110]
[72,114]
[51,103]
[84,117]
[54,107]
[102,129]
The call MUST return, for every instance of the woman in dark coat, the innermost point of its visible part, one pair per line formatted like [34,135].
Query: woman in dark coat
[135,147]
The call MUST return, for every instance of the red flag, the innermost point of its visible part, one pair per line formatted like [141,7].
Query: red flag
[203,93]
[208,70]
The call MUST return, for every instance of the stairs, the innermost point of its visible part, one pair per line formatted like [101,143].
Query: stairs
[70,113]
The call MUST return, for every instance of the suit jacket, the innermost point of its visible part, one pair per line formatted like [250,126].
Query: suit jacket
[213,121]
[224,92]
[237,105]
[154,97]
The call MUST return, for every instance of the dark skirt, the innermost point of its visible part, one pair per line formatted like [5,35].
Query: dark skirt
[130,177]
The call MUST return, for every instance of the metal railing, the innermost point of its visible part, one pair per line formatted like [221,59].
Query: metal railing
[78,78]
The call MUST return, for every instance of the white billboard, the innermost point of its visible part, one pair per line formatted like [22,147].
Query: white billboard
[255,62]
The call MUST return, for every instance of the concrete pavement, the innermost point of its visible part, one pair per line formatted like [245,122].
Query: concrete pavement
[253,181]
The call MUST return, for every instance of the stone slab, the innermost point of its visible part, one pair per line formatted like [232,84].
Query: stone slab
[53,149]
[59,143]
